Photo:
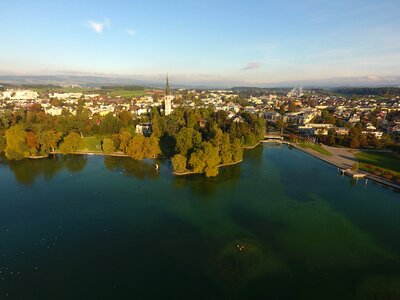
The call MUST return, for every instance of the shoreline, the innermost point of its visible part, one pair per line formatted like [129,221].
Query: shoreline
[370,176]
[84,152]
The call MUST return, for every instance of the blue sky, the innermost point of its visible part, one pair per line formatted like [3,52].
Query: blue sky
[250,42]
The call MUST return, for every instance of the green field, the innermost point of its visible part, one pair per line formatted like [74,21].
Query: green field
[44,89]
[315,148]
[379,163]
[112,92]
[128,93]
[91,143]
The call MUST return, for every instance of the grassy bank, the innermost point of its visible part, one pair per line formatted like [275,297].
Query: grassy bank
[91,143]
[385,165]
[314,147]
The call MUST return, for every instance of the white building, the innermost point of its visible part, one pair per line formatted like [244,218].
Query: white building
[168,104]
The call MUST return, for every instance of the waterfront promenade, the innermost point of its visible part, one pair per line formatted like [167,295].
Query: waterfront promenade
[344,158]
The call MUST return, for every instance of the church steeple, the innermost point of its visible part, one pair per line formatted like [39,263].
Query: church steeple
[167,91]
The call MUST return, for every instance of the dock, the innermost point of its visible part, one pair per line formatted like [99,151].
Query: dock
[352,174]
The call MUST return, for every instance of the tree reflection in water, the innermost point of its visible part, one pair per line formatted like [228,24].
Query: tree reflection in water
[28,170]
[141,169]
[203,186]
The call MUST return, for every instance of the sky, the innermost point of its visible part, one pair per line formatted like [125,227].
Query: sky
[239,42]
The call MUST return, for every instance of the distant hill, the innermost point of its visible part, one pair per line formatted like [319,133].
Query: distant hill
[365,91]
[180,81]
[83,81]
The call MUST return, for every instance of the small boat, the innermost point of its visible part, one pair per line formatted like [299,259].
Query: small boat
[157,167]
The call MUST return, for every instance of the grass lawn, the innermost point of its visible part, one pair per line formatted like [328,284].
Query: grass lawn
[128,93]
[379,163]
[91,143]
[315,148]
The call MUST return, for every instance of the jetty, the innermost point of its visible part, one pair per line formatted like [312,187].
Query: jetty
[353,174]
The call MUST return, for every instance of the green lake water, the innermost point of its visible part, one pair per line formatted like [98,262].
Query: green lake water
[280,225]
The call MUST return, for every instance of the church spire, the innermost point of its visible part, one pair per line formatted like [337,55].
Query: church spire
[167,91]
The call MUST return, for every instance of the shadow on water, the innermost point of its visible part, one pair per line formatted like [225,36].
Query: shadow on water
[28,170]
[140,169]
[203,186]
[74,163]
[229,176]
[255,154]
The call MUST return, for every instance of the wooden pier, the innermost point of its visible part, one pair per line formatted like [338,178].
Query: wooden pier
[352,174]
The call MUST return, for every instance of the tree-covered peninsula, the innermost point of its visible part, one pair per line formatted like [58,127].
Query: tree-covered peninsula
[197,140]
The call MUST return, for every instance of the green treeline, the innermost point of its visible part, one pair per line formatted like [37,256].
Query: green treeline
[205,139]
[197,140]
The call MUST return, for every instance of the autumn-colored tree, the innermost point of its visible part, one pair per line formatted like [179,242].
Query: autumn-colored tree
[48,140]
[108,146]
[135,147]
[125,117]
[179,163]
[31,142]
[16,148]
[151,147]
[237,150]
[205,160]
[3,144]
[124,137]
[72,142]
[354,135]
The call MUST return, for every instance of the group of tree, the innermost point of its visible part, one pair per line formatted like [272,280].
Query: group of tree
[20,142]
[136,146]
[355,139]
[205,140]
[197,139]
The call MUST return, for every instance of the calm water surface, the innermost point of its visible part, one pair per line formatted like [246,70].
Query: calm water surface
[281,225]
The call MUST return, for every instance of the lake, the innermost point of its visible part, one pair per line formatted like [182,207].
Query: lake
[280,225]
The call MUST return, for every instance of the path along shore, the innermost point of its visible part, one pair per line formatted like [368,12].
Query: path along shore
[342,158]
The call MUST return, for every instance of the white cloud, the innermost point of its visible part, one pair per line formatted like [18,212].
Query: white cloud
[98,27]
[130,31]
[252,65]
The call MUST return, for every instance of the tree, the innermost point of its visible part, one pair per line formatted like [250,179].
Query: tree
[48,140]
[330,138]
[225,150]
[124,137]
[16,148]
[3,144]
[205,159]
[151,147]
[110,124]
[212,159]
[108,146]
[31,142]
[354,135]
[125,117]
[196,161]
[186,139]
[156,123]
[135,147]
[237,150]
[71,143]
[179,163]
[281,124]
[217,134]
[260,128]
